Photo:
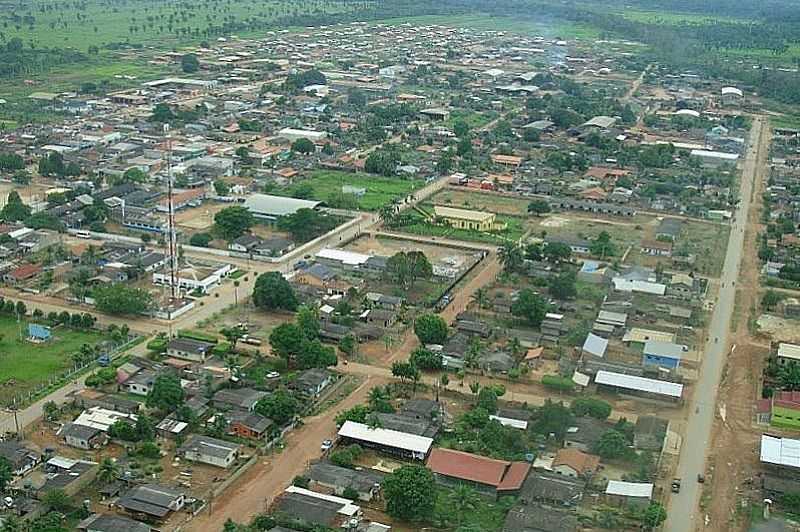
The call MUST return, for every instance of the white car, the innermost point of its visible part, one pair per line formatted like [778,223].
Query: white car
[273,375]
[326,445]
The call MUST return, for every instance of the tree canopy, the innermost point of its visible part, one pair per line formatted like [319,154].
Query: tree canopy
[405,267]
[232,222]
[529,306]
[121,299]
[410,493]
[273,292]
[430,329]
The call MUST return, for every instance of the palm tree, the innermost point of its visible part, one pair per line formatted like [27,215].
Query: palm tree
[511,256]
[481,298]
[464,499]
[108,470]
[514,346]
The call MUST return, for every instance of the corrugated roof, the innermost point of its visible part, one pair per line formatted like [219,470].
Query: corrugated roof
[780,451]
[663,349]
[267,205]
[642,384]
[595,345]
[475,468]
[629,489]
[462,214]
[789,351]
[388,438]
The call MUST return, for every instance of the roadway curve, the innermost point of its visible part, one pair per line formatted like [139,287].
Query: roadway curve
[683,514]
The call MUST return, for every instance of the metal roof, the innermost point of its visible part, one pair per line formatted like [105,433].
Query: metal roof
[642,384]
[629,489]
[789,351]
[595,345]
[345,257]
[386,437]
[267,205]
[780,451]
[663,349]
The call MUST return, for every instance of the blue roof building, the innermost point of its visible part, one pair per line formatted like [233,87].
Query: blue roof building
[39,333]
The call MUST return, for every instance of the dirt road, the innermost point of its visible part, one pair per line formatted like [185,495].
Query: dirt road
[254,491]
[733,459]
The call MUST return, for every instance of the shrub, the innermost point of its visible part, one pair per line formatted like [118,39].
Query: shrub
[554,382]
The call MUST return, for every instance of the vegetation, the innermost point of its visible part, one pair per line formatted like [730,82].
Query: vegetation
[273,292]
[430,329]
[410,493]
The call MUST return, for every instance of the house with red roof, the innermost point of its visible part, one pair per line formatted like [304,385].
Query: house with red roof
[22,274]
[486,475]
[575,463]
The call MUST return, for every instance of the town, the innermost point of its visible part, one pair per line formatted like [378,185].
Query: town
[399,276]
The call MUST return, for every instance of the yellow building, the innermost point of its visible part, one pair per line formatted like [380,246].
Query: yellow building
[470,220]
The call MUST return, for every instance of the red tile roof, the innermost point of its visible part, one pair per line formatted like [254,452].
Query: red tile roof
[577,460]
[501,474]
[25,271]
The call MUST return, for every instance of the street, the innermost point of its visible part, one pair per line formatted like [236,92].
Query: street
[683,512]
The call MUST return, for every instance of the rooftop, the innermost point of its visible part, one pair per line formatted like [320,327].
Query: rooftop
[498,473]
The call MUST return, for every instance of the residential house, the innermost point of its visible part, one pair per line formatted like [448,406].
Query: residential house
[486,475]
[22,273]
[189,349]
[571,462]
[140,383]
[366,482]
[208,450]
[584,433]
[112,523]
[669,229]
[663,354]
[250,425]
[788,353]
[171,428]
[683,286]
[552,489]
[244,399]
[388,441]
[657,248]
[535,518]
[312,508]
[152,501]
[384,302]
[629,494]
[20,457]
[594,346]
[323,278]
[82,436]
[61,473]
[311,382]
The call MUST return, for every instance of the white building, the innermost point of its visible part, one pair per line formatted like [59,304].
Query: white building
[192,279]
[292,134]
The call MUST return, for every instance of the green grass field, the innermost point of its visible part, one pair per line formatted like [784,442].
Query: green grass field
[660,17]
[24,365]
[485,22]
[513,232]
[380,190]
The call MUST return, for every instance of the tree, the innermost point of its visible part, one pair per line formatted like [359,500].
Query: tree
[463,499]
[306,224]
[14,210]
[404,268]
[348,345]
[108,471]
[303,146]
[201,240]
[279,406]
[232,222]
[57,500]
[273,292]
[563,286]
[406,371]
[538,207]
[134,175]
[166,393]
[357,98]
[379,400]
[286,340]
[612,444]
[602,246]
[410,493]
[590,406]
[511,257]
[357,414]
[221,187]
[654,515]
[120,299]
[529,306]
[190,64]
[487,399]
[161,113]
[552,418]
[425,359]
[430,329]
[531,135]
[50,410]
[6,473]
[232,335]
[770,299]
[382,162]
[556,251]
[308,320]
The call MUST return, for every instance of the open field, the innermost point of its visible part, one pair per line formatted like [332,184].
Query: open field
[23,365]
[466,199]
[708,241]
[487,22]
[661,17]
[379,190]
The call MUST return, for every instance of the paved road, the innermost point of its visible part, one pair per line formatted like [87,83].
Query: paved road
[684,514]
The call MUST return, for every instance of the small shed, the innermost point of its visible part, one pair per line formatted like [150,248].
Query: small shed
[39,333]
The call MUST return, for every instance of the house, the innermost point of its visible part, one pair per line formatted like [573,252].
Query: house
[208,450]
[21,458]
[663,354]
[171,428]
[683,286]
[366,482]
[189,349]
[788,353]
[380,317]
[312,508]
[62,473]
[385,302]
[552,489]
[22,273]
[312,382]
[594,272]
[535,518]
[595,346]
[112,523]
[244,244]
[571,462]
[250,425]
[649,433]
[486,475]
[82,436]
[629,494]
[584,433]
[152,501]
[140,383]
[238,398]
[322,277]
[467,219]
[657,248]
[388,441]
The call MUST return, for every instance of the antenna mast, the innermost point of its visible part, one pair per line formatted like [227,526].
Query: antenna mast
[172,245]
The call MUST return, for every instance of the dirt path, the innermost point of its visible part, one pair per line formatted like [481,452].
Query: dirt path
[257,488]
[733,459]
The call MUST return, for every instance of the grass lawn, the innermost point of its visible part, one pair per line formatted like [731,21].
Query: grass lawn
[485,515]
[486,22]
[473,119]
[380,190]
[465,199]
[24,365]
[709,242]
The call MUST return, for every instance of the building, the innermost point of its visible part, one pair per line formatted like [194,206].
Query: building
[714,158]
[152,501]
[389,441]
[627,494]
[662,354]
[250,425]
[270,208]
[584,433]
[574,463]
[195,279]
[657,248]
[486,475]
[634,384]
[211,451]
[82,437]
[112,523]
[669,229]
[311,382]
[21,458]
[536,518]
[244,399]
[292,134]
[788,353]
[312,508]
[468,220]
[594,346]
[366,482]
[189,349]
